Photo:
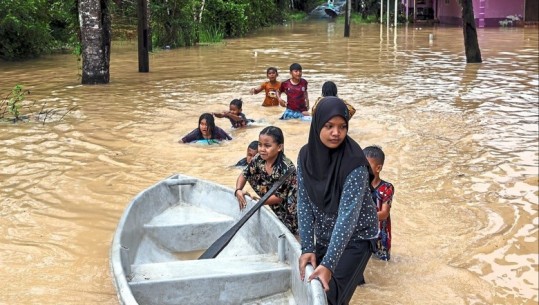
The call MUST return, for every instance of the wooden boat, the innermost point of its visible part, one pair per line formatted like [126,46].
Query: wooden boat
[167,226]
[331,12]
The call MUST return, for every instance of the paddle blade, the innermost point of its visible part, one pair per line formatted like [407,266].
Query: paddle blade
[223,241]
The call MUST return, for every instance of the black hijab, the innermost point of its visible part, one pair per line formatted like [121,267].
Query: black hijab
[324,169]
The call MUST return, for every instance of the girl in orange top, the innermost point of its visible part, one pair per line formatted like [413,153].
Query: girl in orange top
[270,87]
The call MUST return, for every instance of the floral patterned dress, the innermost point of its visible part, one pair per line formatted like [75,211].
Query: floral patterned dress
[261,182]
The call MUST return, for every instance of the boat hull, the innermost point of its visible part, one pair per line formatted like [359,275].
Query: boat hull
[164,229]
[331,12]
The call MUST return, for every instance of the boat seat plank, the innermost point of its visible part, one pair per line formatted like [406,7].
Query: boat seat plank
[184,228]
[231,280]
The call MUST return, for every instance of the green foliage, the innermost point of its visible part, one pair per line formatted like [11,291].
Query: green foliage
[24,29]
[230,16]
[64,23]
[210,34]
[173,23]
[359,19]
[236,18]
[29,28]
[371,19]
[262,13]
[125,10]
[356,18]
[297,15]
[13,103]
[177,23]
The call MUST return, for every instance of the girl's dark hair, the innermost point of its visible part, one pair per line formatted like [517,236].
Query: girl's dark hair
[272,69]
[253,145]
[277,134]
[295,66]
[237,102]
[210,121]
[375,152]
[329,89]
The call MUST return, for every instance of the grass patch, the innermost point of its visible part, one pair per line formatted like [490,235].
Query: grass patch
[296,16]
[211,34]
[356,18]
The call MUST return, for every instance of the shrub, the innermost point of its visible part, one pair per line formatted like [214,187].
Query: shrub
[24,29]
[173,23]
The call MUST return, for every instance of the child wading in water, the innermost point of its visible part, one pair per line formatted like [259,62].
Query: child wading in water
[252,150]
[330,89]
[235,115]
[382,196]
[266,168]
[271,88]
[206,132]
[297,98]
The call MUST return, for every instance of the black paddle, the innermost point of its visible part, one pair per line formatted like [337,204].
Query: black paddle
[223,241]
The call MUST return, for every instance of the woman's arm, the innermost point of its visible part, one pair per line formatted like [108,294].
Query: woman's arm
[282,88]
[236,118]
[384,211]
[355,190]
[220,114]
[305,216]
[240,196]
[256,90]
[221,134]
[190,137]
[306,94]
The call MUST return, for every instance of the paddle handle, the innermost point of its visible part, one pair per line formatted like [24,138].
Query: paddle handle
[223,241]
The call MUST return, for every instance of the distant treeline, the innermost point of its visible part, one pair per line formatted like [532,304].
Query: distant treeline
[29,28]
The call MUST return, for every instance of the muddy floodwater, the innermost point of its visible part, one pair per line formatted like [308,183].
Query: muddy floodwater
[461,144]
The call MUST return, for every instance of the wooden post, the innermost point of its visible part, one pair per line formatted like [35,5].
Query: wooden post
[407,8]
[396,11]
[415,9]
[347,18]
[381,11]
[387,13]
[143,33]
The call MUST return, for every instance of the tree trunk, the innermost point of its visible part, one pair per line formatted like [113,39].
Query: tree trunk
[347,19]
[471,45]
[143,34]
[95,24]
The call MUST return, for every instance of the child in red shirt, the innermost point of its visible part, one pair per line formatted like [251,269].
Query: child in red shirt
[382,195]
[297,98]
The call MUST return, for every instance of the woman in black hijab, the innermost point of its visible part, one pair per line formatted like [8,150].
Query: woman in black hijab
[338,224]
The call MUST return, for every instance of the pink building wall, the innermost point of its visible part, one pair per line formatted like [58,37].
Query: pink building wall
[488,13]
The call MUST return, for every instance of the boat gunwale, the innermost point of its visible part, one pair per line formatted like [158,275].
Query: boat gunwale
[315,292]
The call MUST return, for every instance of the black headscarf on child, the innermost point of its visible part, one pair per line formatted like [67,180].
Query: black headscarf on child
[324,169]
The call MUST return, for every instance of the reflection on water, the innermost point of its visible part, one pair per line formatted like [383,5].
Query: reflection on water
[461,143]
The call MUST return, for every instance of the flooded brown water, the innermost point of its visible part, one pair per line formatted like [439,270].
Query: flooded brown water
[461,145]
